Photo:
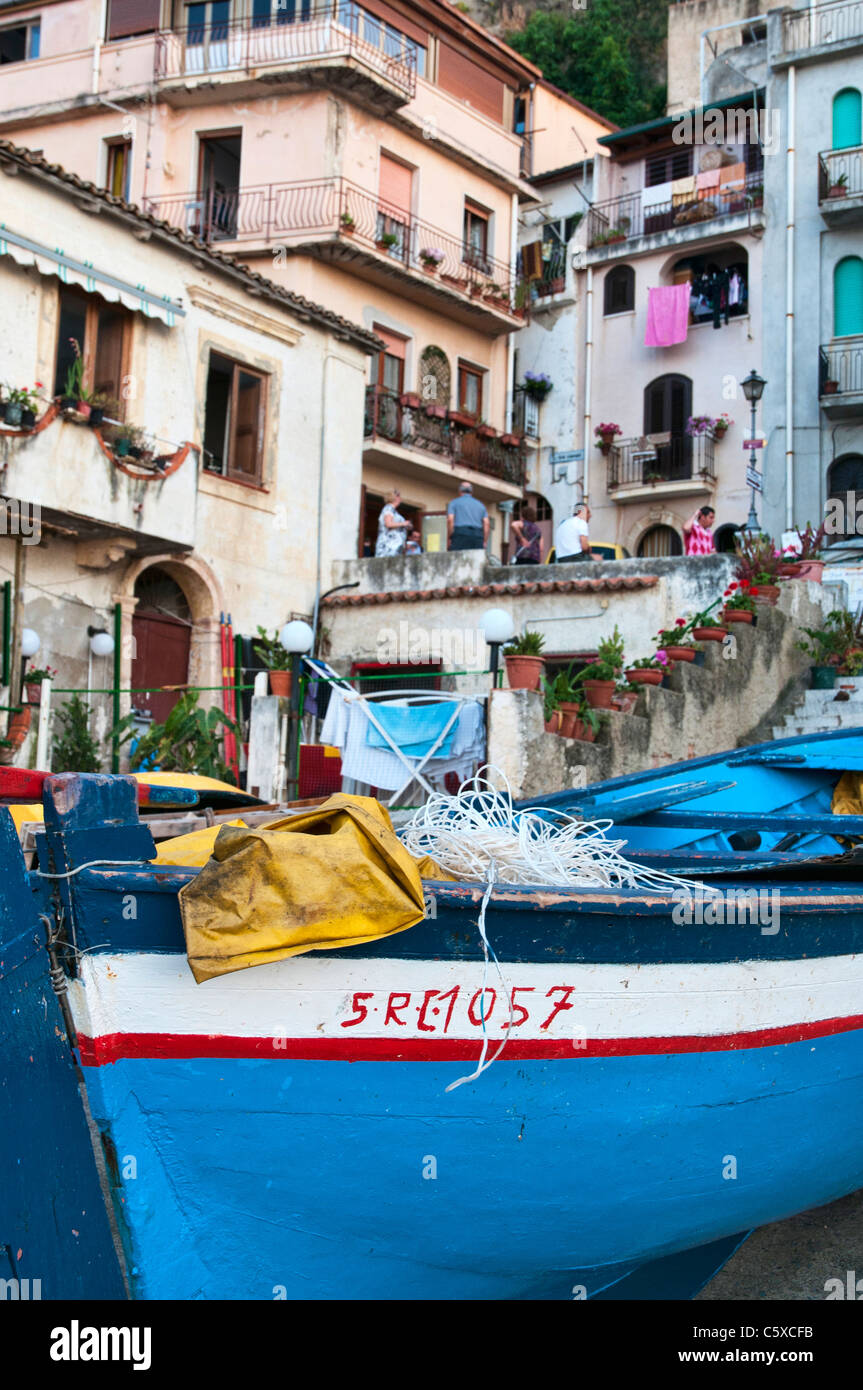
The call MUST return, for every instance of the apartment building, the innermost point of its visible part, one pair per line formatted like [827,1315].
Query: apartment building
[370,156]
[666,204]
[108,518]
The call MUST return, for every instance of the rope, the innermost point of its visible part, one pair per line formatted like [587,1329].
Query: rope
[93,863]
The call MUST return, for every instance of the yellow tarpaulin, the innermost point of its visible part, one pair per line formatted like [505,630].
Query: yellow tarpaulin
[195,847]
[848,795]
[336,876]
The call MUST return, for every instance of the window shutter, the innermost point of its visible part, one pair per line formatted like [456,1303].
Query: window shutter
[467,80]
[531,260]
[128,17]
[395,184]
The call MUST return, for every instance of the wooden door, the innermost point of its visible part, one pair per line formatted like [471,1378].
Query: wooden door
[161,658]
[667,408]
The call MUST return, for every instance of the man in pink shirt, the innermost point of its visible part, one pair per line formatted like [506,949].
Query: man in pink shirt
[697,534]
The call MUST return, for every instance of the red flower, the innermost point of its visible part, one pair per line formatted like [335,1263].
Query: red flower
[746,584]
[731,586]
[752,592]
[680,622]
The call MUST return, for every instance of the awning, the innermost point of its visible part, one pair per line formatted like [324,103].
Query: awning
[84,273]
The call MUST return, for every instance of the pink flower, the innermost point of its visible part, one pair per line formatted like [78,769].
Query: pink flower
[661,657]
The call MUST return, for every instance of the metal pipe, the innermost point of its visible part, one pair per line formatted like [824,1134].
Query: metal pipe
[789,299]
[118,647]
[588,364]
[7,630]
[510,340]
[321,451]
[97,46]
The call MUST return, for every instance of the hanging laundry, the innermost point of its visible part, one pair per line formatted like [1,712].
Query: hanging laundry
[683,190]
[667,315]
[707,179]
[415,729]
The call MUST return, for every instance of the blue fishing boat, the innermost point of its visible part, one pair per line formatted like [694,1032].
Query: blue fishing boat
[663,1084]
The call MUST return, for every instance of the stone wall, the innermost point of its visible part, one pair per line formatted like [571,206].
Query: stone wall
[728,702]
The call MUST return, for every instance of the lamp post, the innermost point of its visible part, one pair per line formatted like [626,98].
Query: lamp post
[296,637]
[497,627]
[753,388]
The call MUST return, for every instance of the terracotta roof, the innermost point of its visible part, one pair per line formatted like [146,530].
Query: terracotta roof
[537,586]
[296,303]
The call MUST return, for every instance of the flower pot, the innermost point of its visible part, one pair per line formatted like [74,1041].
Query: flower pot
[28,419]
[553,723]
[524,672]
[811,569]
[97,415]
[679,653]
[2,410]
[436,412]
[823,677]
[34,692]
[709,634]
[486,431]
[13,414]
[83,409]
[430,267]
[280,683]
[583,731]
[410,399]
[599,694]
[348,228]
[625,702]
[736,615]
[768,594]
[644,675]
[69,403]
[568,717]
[829,388]
[466,422]
[510,441]
[121,447]
[788,570]
[604,446]
[837,191]
[19,726]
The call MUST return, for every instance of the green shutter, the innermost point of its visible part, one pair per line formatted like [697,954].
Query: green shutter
[848,297]
[847,119]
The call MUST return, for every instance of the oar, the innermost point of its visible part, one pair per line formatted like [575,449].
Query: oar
[624,808]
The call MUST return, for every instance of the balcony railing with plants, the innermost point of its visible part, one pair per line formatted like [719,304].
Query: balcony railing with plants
[553,278]
[337,209]
[821,24]
[404,419]
[620,219]
[677,459]
[840,368]
[840,174]
[256,43]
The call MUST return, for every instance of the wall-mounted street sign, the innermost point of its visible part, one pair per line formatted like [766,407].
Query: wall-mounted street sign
[754,479]
[567,456]
[754,443]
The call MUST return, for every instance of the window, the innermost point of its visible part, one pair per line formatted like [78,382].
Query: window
[719,284]
[475,236]
[234,420]
[619,290]
[844,476]
[103,333]
[409,48]
[388,367]
[435,377]
[19,43]
[662,168]
[470,390]
[848,298]
[129,17]
[659,542]
[847,119]
[395,193]
[119,167]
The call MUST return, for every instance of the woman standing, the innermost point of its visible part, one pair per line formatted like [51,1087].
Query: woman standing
[392,527]
[528,536]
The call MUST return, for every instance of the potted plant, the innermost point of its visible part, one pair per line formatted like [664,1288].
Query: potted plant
[588,722]
[803,561]
[835,648]
[647,670]
[462,419]
[625,697]
[102,405]
[600,677]
[721,426]
[486,431]
[436,412]
[551,697]
[739,603]
[675,641]
[72,388]
[537,385]
[606,435]
[347,223]
[758,560]
[524,662]
[431,258]
[410,400]
[707,629]
[21,406]
[277,661]
[387,241]
[75,749]
[510,441]
[839,187]
[33,679]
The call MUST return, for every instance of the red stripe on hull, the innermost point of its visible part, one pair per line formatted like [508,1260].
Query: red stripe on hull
[113,1047]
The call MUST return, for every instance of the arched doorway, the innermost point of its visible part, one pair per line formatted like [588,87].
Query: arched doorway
[544,519]
[659,543]
[847,122]
[162,639]
[725,538]
[845,475]
[667,408]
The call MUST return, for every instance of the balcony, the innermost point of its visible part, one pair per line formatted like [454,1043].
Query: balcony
[840,185]
[660,465]
[437,444]
[818,26]
[840,378]
[43,87]
[615,225]
[333,46]
[337,221]
[525,413]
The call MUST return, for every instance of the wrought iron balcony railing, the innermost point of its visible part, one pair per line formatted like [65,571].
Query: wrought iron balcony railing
[840,367]
[296,35]
[821,24]
[658,459]
[404,420]
[339,210]
[840,174]
[621,219]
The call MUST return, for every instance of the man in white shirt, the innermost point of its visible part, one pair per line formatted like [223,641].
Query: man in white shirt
[571,539]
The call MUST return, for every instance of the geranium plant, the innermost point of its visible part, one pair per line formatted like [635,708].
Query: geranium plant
[677,636]
[741,596]
[609,431]
[34,674]
[431,255]
[25,396]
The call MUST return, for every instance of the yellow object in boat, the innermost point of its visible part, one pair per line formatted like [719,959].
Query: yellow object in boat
[193,848]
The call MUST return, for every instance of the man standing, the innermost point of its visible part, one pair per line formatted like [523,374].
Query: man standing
[467,521]
[698,532]
[571,539]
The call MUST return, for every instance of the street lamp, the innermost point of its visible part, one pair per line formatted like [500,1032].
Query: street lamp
[497,627]
[753,388]
[297,638]
[101,642]
[30,642]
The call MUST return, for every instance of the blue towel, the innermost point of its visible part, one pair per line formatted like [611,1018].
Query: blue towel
[413,728]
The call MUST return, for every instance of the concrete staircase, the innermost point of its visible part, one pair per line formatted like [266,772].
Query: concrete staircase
[820,710]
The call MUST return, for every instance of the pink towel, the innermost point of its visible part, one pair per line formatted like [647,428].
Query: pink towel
[667,315]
